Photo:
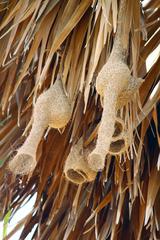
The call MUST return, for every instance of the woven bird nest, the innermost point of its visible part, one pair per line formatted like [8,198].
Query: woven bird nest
[51,109]
[116,87]
[76,167]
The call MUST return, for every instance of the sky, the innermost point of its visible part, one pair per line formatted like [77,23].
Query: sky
[21,213]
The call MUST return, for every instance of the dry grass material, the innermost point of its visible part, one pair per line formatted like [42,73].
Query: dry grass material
[51,109]
[116,87]
[76,167]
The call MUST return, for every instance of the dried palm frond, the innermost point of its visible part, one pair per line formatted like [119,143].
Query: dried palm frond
[42,40]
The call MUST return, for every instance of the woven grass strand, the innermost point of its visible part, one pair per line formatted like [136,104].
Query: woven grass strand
[51,109]
[76,167]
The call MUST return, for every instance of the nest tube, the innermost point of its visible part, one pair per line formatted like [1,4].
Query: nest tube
[24,161]
[76,168]
[96,158]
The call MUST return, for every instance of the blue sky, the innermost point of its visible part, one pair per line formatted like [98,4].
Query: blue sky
[21,213]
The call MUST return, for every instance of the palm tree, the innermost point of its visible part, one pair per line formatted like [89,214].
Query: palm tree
[45,41]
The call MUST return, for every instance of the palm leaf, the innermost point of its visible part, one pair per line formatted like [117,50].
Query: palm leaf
[39,41]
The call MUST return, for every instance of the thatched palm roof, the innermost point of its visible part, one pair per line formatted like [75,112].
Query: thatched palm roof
[39,41]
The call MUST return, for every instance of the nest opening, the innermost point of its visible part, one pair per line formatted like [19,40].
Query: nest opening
[118,129]
[22,164]
[117,146]
[77,176]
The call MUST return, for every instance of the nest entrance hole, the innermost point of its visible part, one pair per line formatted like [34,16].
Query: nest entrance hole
[118,129]
[117,146]
[77,176]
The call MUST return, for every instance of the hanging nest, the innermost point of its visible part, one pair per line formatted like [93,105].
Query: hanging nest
[111,81]
[116,93]
[51,109]
[116,88]
[76,167]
